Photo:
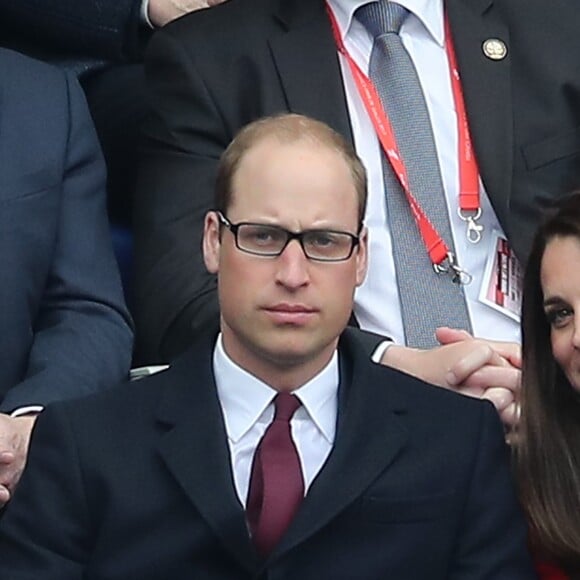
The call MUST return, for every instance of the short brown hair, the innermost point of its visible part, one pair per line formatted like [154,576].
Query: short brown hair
[287,128]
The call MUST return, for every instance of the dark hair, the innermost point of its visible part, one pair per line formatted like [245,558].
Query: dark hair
[287,128]
[547,445]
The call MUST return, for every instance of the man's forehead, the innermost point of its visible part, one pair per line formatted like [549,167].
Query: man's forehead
[282,176]
[274,144]
[304,154]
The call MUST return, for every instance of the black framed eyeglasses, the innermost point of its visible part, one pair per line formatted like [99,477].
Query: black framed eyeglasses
[270,241]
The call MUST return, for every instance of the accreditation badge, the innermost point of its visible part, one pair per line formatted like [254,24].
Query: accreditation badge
[501,288]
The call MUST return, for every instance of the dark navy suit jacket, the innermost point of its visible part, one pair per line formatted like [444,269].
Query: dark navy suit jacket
[64,328]
[57,29]
[136,483]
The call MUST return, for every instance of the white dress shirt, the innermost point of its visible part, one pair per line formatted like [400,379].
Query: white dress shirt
[377,305]
[248,409]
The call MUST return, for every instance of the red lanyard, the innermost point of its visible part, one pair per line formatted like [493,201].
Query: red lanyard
[469,204]
[469,208]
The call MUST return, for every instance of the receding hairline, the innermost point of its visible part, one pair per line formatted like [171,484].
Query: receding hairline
[287,129]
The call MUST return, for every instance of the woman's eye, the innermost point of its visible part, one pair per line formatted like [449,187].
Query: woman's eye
[558,317]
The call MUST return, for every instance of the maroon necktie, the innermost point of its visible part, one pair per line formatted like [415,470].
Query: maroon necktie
[276,485]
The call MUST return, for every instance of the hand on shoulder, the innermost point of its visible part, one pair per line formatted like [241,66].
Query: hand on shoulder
[162,12]
[474,367]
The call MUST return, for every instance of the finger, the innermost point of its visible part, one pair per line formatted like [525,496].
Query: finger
[511,351]
[4,496]
[500,397]
[510,416]
[6,457]
[495,376]
[447,335]
[476,356]
[9,479]
[475,392]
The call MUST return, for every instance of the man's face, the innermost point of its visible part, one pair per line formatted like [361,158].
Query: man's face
[286,311]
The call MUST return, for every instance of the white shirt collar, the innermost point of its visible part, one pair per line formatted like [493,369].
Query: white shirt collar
[244,398]
[429,12]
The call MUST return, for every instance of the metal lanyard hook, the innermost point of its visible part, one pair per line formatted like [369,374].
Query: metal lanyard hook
[451,267]
[474,230]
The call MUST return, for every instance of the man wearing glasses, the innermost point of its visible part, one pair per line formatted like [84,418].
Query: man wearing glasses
[277,449]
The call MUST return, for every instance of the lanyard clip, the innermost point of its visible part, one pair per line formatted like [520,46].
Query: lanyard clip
[473,228]
[451,267]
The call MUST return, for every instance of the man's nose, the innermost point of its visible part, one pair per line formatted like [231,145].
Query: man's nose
[293,266]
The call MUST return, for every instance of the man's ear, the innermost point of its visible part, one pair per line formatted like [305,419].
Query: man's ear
[211,242]
[362,256]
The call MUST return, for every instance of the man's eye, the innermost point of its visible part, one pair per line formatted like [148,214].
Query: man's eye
[262,236]
[323,239]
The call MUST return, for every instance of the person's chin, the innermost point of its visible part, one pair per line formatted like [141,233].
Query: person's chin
[288,346]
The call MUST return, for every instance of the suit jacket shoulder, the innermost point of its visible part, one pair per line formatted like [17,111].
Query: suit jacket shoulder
[65,328]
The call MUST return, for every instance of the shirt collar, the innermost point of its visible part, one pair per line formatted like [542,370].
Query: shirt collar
[429,12]
[244,398]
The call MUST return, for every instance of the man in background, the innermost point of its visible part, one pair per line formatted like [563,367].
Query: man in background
[64,328]
[103,42]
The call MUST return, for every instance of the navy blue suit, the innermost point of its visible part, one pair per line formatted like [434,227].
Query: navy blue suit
[416,487]
[64,328]
[99,40]
[53,29]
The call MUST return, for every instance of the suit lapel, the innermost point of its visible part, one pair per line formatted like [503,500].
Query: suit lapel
[194,448]
[487,91]
[306,59]
[371,431]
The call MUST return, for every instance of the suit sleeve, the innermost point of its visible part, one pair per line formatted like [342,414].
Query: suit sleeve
[45,529]
[102,29]
[491,542]
[183,140]
[82,335]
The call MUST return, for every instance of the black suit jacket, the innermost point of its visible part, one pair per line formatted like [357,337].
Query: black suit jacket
[64,327]
[137,484]
[212,72]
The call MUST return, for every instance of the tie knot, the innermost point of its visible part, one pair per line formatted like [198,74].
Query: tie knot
[382,17]
[285,406]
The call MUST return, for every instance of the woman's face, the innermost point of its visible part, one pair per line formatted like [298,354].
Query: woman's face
[560,279]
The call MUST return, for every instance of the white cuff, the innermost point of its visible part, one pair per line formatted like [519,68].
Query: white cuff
[381,350]
[145,14]
[27,410]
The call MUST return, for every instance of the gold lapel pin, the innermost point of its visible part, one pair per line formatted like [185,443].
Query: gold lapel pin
[495,49]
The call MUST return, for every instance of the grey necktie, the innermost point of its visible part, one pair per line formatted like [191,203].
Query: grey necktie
[428,299]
